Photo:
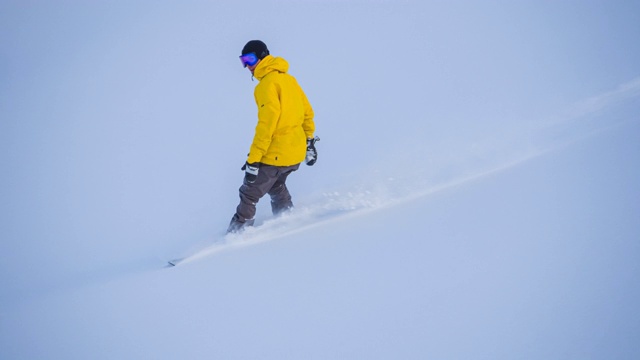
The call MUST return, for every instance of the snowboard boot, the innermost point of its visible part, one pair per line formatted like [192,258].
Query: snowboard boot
[280,208]
[236,225]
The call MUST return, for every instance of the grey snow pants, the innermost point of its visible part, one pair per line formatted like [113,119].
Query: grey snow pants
[271,180]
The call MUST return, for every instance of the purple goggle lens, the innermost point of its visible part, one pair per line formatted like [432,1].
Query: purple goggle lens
[249,59]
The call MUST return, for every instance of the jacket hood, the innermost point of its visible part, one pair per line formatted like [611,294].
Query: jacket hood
[270,64]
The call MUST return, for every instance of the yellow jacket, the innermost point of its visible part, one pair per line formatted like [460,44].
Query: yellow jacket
[285,117]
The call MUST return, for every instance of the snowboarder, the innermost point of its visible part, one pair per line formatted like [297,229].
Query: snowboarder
[284,135]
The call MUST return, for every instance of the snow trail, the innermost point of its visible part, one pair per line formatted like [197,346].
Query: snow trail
[335,207]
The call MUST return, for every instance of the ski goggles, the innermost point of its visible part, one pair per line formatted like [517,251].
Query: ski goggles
[249,59]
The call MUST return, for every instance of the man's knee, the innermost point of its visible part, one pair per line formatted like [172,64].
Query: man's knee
[277,189]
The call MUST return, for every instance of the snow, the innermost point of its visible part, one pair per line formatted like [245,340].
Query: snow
[476,193]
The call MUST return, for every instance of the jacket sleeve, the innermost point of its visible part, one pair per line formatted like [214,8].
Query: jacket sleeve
[308,124]
[268,103]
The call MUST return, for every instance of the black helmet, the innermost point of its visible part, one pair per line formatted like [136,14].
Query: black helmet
[257,47]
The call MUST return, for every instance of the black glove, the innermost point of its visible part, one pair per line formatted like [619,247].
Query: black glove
[250,172]
[312,153]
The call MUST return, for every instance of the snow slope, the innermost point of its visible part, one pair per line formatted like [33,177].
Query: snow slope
[536,261]
[476,194]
